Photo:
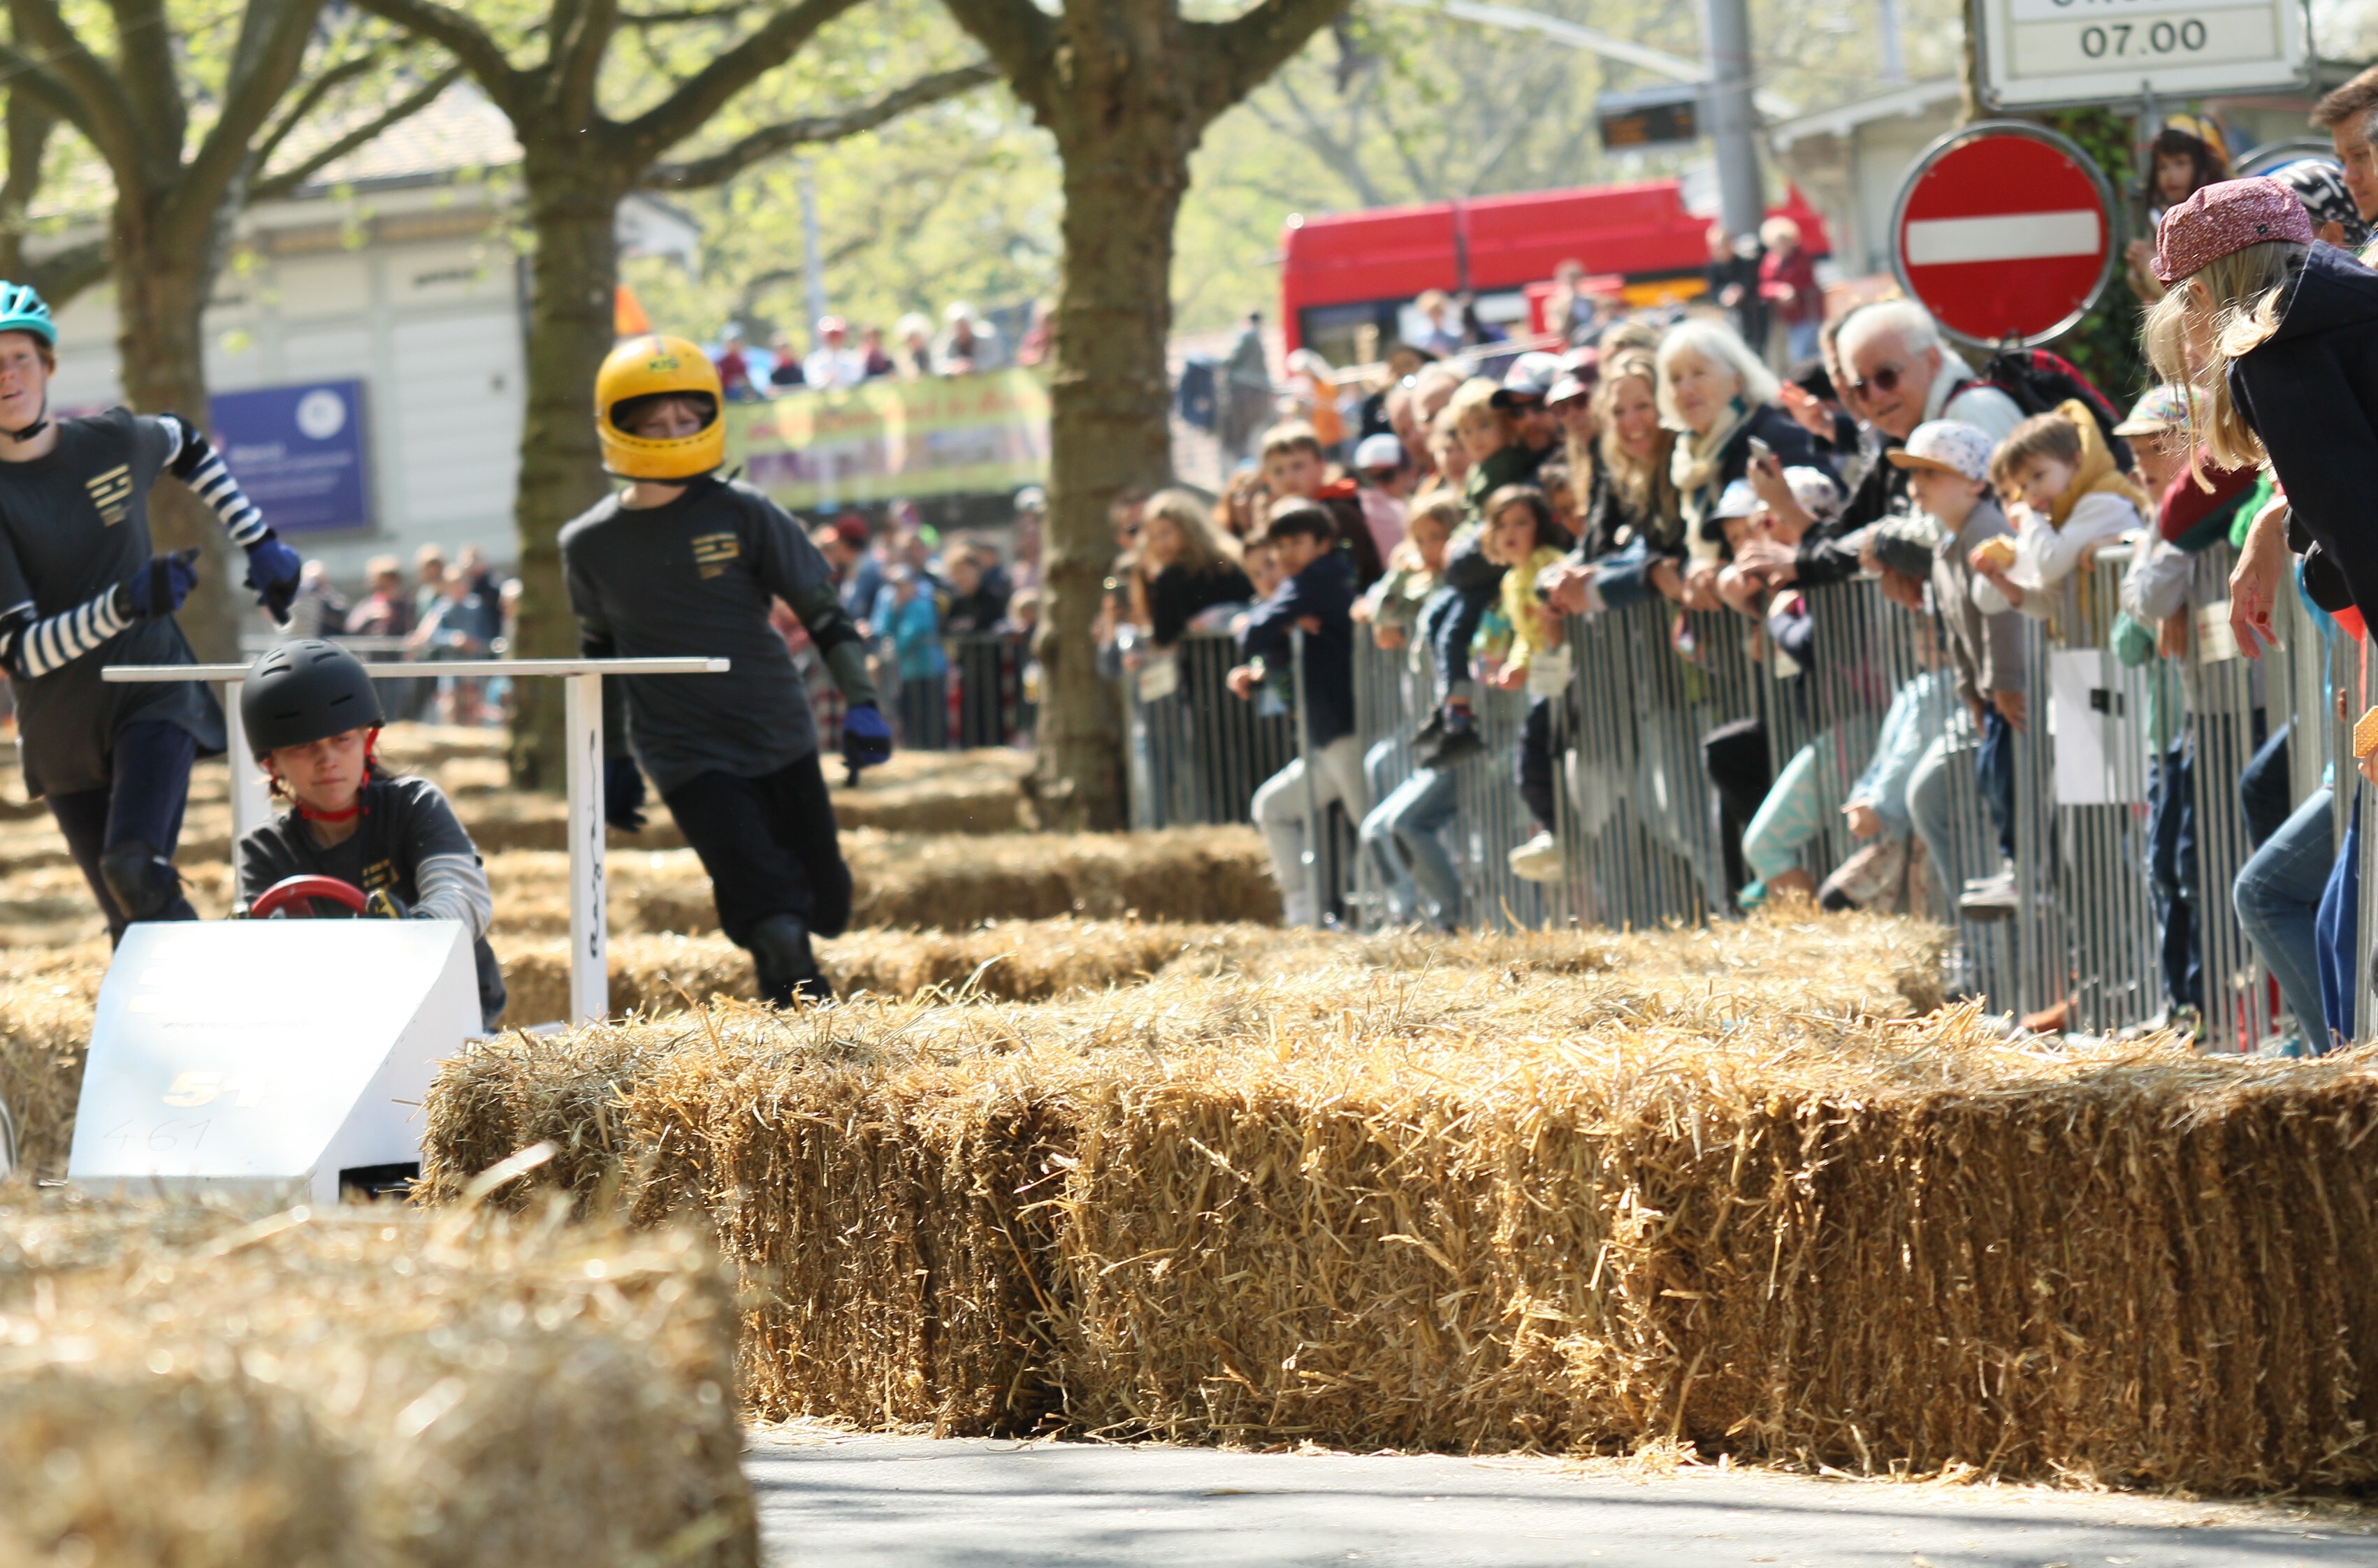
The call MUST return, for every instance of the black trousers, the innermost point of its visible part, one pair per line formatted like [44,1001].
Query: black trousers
[1541,739]
[143,800]
[769,847]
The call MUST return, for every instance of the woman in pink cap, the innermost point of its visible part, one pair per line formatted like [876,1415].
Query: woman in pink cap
[2277,337]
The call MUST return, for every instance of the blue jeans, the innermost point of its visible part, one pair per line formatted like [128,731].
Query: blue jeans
[1403,834]
[2277,898]
[1994,765]
[2171,872]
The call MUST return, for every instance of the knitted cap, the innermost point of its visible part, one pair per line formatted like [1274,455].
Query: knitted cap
[2224,219]
[1948,444]
[2163,407]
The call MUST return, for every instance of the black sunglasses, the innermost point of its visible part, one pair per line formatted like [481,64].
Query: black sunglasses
[1883,380]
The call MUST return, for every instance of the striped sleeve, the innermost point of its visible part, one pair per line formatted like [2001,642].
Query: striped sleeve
[31,648]
[453,887]
[195,463]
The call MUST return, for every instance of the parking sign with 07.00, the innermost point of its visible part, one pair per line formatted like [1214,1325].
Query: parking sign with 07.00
[2045,52]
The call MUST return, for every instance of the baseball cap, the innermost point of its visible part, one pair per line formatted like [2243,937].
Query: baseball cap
[851,529]
[832,324]
[2223,219]
[1530,378]
[2319,186]
[2161,407]
[1950,445]
[1032,499]
[1740,500]
[1380,450]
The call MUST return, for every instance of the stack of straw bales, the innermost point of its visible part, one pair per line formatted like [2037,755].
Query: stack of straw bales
[1497,1207]
[372,1388]
[1015,961]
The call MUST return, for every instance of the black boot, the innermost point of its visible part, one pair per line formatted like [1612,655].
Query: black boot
[785,964]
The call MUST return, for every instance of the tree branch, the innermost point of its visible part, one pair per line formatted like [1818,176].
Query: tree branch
[672,18]
[324,83]
[467,42]
[76,84]
[705,92]
[260,79]
[1240,54]
[578,51]
[1021,38]
[144,69]
[727,163]
[59,278]
[292,178]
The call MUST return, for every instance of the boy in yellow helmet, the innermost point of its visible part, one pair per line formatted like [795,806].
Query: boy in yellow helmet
[681,562]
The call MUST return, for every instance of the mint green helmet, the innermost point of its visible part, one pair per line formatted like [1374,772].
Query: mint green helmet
[22,310]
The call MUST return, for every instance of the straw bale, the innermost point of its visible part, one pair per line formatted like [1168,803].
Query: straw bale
[369,1387]
[1018,961]
[1484,1208]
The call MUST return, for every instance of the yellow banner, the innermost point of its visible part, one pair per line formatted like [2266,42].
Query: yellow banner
[888,439]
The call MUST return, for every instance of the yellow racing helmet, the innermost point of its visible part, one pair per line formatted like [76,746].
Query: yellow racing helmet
[652,366]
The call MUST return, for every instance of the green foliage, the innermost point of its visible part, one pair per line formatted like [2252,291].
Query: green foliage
[2105,344]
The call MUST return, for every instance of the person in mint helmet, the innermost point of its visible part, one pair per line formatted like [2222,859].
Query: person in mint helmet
[81,589]
[680,562]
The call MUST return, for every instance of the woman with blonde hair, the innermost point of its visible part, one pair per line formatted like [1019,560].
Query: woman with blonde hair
[1633,539]
[1188,566]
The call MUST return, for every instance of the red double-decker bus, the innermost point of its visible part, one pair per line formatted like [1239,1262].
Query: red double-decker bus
[1346,270]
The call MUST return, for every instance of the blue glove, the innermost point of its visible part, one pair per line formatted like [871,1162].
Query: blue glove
[866,738]
[159,588]
[272,570]
[623,794]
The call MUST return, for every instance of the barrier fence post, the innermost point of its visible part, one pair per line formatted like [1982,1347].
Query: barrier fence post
[590,971]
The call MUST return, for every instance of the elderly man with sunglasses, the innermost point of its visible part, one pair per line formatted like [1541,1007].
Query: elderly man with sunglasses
[1896,373]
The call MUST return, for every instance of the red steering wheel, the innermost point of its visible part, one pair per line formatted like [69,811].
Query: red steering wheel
[304,890]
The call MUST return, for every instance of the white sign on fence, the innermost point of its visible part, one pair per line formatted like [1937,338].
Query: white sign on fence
[2036,52]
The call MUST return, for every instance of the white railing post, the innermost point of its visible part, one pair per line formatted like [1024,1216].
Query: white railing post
[590,969]
[251,797]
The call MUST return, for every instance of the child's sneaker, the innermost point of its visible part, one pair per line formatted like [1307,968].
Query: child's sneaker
[1539,860]
[1455,742]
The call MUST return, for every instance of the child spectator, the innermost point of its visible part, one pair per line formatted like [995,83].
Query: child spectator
[1404,833]
[2064,496]
[909,620]
[1190,570]
[1948,466]
[1489,440]
[1523,539]
[1263,568]
[1295,468]
[1317,598]
[1877,812]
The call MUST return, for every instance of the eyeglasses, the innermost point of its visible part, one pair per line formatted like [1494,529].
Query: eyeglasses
[1883,380]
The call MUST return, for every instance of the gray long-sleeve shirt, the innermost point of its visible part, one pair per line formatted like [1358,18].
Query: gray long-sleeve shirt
[1986,649]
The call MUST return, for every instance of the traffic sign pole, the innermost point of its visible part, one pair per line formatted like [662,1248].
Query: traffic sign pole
[2005,231]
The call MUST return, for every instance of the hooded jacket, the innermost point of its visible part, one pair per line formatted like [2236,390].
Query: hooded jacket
[2099,506]
[2311,392]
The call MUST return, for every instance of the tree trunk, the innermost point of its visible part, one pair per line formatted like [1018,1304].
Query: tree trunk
[571,280]
[161,293]
[1124,176]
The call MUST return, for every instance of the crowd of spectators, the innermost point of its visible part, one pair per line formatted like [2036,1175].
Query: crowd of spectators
[1467,523]
[966,344]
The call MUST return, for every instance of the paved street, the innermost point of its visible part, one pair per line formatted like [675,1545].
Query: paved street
[833,1501]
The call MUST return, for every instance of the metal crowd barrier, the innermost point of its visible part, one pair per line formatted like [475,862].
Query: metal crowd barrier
[2128,824]
[1194,752]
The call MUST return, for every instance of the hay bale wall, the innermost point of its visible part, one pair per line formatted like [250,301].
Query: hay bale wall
[372,1388]
[1494,1208]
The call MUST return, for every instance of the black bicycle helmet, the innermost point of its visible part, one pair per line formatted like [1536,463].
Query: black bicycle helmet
[303,691]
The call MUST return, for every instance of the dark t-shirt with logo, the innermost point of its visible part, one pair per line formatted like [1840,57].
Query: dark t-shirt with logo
[405,821]
[697,577]
[74,522]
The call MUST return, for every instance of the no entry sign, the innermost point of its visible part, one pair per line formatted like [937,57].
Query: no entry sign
[2004,233]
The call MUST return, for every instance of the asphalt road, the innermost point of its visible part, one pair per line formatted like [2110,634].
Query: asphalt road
[830,1500]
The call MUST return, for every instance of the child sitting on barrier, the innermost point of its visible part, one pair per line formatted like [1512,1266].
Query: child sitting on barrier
[1522,538]
[1317,598]
[1948,465]
[1496,458]
[1404,833]
[313,721]
[1877,811]
[2065,498]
